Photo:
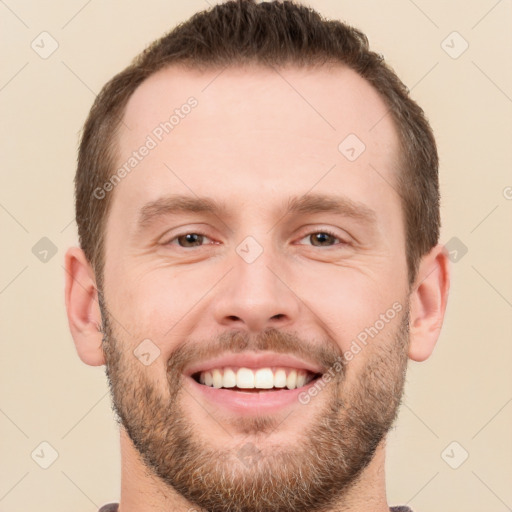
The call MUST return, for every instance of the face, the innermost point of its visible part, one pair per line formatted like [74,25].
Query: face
[255,301]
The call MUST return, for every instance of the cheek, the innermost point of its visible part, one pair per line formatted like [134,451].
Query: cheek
[159,303]
[348,302]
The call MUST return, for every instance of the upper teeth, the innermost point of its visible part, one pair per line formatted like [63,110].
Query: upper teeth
[262,378]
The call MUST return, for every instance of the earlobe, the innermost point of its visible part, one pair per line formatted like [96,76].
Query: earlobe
[82,307]
[428,301]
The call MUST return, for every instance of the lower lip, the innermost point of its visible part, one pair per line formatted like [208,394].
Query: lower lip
[251,402]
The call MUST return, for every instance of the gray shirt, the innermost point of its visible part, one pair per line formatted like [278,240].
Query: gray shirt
[112,507]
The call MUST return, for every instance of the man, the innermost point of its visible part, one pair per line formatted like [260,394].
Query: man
[257,201]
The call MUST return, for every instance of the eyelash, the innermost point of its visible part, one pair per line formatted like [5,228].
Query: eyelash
[323,231]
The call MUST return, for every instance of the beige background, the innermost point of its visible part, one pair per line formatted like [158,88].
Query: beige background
[463,393]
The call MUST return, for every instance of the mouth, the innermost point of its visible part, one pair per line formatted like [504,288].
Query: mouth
[255,380]
[252,384]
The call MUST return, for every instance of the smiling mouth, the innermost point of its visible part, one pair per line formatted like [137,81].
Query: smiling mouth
[251,380]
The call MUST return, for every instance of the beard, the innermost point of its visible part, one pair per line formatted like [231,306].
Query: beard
[335,443]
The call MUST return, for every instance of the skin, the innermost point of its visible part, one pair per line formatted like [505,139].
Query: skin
[252,142]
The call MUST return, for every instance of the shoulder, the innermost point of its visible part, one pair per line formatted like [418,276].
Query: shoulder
[110,507]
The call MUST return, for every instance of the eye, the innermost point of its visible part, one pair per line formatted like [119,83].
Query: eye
[323,239]
[188,240]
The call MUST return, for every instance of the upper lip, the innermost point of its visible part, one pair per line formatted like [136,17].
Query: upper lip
[254,360]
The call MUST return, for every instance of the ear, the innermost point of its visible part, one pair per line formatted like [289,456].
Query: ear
[82,307]
[428,302]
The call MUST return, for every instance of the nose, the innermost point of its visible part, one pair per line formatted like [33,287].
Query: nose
[256,295]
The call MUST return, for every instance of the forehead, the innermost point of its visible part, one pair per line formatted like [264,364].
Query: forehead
[333,98]
[255,127]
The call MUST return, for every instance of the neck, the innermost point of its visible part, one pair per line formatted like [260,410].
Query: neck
[141,491]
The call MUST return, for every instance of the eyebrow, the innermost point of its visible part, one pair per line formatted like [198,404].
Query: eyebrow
[324,203]
[305,204]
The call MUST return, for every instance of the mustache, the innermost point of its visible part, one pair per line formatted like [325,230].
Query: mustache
[324,352]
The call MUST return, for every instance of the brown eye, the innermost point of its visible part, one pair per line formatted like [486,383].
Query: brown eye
[189,240]
[323,239]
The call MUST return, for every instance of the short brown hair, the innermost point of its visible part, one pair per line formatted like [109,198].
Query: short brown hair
[275,33]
